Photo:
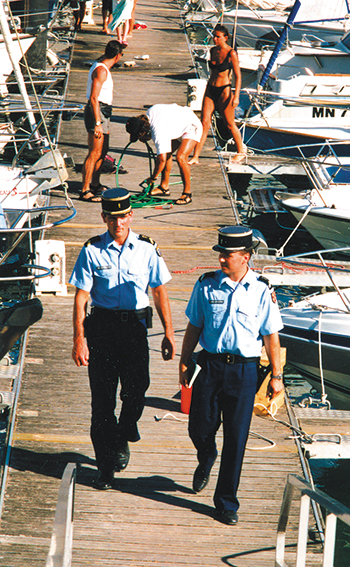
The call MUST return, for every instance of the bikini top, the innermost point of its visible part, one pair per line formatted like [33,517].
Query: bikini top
[224,66]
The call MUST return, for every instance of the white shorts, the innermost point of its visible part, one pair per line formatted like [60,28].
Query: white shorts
[193,132]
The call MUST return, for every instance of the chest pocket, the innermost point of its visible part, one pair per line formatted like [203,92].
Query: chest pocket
[137,275]
[217,308]
[247,317]
[103,277]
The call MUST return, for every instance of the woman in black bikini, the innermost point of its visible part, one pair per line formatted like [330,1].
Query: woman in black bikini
[218,95]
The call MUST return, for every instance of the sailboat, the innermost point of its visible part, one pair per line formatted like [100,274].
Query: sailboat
[30,164]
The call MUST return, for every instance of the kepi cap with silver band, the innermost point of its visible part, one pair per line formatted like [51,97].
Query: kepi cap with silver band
[116,201]
[234,238]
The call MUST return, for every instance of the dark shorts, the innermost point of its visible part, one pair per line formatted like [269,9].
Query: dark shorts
[107,5]
[89,119]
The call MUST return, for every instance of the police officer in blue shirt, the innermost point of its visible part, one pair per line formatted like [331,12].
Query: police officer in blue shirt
[116,269]
[231,313]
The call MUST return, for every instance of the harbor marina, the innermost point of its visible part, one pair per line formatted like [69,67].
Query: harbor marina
[153,508]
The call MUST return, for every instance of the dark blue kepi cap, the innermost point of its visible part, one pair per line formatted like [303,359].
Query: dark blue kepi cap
[234,238]
[116,201]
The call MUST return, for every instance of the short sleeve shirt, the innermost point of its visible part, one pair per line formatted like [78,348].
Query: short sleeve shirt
[233,316]
[118,277]
[169,122]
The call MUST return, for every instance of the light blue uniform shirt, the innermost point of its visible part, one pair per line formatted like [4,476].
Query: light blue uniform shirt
[233,316]
[118,277]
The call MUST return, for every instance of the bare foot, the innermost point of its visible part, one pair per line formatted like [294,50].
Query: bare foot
[193,161]
[238,158]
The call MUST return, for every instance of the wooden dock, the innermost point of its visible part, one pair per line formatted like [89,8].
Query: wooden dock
[152,518]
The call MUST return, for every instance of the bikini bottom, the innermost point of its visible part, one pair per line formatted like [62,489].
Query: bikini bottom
[214,93]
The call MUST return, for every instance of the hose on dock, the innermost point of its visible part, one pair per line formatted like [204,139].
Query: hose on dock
[144,198]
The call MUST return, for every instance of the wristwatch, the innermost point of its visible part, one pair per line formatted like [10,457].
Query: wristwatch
[277,376]
[98,123]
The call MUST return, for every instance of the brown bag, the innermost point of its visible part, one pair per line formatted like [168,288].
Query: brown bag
[263,404]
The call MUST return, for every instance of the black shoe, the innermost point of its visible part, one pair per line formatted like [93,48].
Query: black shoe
[200,479]
[105,481]
[227,517]
[122,457]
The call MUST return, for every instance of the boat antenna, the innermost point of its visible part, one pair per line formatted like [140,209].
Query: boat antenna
[233,38]
[289,23]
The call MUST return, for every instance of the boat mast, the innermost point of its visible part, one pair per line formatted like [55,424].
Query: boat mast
[5,30]
[280,42]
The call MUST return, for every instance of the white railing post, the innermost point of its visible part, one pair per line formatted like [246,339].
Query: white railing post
[303,530]
[60,553]
[333,509]
[329,542]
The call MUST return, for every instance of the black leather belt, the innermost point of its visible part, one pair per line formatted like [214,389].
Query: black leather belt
[229,358]
[120,315]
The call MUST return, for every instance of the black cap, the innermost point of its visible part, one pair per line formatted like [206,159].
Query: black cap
[116,201]
[133,128]
[234,238]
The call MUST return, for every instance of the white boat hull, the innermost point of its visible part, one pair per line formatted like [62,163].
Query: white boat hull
[318,343]
[23,189]
[330,227]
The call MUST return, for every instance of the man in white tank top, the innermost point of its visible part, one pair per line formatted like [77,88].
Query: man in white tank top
[97,113]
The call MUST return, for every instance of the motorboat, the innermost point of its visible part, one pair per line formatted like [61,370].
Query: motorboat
[262,23]
[324,213]
[300,99]
[316,335]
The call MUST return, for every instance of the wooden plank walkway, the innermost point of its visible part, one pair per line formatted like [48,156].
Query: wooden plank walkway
[152,518]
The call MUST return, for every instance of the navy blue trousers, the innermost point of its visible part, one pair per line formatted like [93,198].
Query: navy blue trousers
[223,393]
[118,351]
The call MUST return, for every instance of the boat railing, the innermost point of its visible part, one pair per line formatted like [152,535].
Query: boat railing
[35,138]
[322,264]
[22,231]
[60,553]
[320,151]
[333,511]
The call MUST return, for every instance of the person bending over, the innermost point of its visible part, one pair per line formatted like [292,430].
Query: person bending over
[173,128]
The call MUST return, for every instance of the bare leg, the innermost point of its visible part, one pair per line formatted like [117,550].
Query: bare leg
[95,180]
[132,19]
[186,147]
[106,19]
[81,15]
[125,31]
[228,113]
[119,33]
[208,108]
[93,160]
[165,175]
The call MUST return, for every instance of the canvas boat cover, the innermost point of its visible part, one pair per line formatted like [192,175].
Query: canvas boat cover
[310,10]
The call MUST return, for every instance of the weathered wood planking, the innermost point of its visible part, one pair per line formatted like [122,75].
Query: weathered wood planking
[152,518]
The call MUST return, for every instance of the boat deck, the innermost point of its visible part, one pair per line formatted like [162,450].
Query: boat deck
[152,518]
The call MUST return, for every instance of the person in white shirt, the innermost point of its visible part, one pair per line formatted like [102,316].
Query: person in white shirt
[172,128]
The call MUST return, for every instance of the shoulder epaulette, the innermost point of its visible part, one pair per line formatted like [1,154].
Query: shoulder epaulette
[206,275]
[265,281]
[146,239]
[92,240]
[150,240]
